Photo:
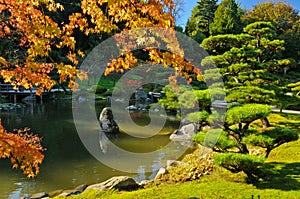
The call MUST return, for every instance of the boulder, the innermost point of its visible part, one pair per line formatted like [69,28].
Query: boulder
[119,182]
[185,133]
[75,191]
[165,170]
[55,193]
[145,183]
[140,95]
[141,99]
[104,141]
[39,195]
[131,108]
[184,122]
[107,123]
[160,172]
[174,163]
[10,106]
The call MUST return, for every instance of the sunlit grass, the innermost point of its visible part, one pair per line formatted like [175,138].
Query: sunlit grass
[291,121]
[225,185]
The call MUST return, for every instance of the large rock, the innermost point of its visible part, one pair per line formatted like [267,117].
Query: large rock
[165,170]
[140,95]
[10,106]
[146,183]
[119,182]
[174,163]
[162,171]
[141,100]
[185,133]
[36,196]
[107,123]
[75,191]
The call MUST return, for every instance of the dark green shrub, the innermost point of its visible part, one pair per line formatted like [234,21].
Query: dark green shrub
[271,138]
[108,92]
[236,162]
[200,117]
[208,138]
[247,113]
[251,94]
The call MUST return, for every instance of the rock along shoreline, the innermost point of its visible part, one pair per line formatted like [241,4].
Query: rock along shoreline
[198,164]
[122,183]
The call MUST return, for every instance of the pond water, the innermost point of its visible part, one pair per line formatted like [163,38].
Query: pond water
[67,162]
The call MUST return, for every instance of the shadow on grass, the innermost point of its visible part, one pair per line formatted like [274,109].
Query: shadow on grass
[289,125]
[282,176]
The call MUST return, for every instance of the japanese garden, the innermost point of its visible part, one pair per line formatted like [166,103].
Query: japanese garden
[118,99]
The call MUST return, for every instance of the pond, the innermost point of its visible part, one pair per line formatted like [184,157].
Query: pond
[67,162]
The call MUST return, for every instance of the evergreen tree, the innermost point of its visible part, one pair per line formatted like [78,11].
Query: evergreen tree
[192,26]
[249,59]
[206,13]
[252,65]
[227,18]
[285,20]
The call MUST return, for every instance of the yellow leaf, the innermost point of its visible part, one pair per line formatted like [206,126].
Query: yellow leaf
[82,75]
[80,53]
[3,62]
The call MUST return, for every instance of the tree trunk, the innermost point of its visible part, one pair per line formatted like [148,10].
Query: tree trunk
[243,148]
[268,151]
[265,122]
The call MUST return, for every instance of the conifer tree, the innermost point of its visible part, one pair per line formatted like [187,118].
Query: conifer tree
[192,26]
[206,13]
[227,18]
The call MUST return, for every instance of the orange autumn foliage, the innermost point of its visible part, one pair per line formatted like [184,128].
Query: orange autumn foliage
[38,34]
[23,149]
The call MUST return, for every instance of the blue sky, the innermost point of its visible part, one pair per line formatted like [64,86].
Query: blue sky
[189,4]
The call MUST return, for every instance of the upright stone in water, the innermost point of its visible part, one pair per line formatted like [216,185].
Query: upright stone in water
[107,123]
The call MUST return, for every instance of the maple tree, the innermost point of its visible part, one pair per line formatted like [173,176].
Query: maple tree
[30,35]
[30,65]
[39,35]
[117,17]
[23,148]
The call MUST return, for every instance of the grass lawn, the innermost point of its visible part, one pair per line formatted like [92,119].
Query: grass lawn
[282,182]
[217,188]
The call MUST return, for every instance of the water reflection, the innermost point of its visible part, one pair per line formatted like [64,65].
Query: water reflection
[67,163]
[103,142]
